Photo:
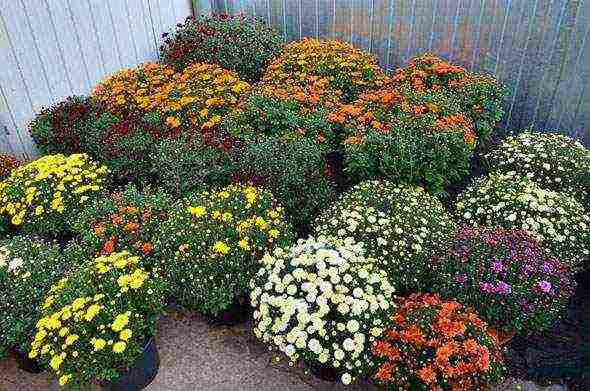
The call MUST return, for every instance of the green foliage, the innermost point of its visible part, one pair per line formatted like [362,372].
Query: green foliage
[239,43]
[293,170]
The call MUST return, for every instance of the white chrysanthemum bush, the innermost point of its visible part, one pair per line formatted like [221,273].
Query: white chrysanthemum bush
[554,161]
[511,201]
[322,301]
[401,226]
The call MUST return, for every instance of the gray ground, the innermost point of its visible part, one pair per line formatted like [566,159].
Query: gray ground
[195,357]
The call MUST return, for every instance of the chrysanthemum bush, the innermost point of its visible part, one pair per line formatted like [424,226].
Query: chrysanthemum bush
[323,302]
[335,64]
[8,163]
[45,195]
[436,344]
[293,170]
[507,276]
[553,161]
[28,269]
[210,244]
[513,202]
[399,135]
[240,43]
[97,320]
[288,110]
[64,126]
[125,220]
[402,227]
[479,96]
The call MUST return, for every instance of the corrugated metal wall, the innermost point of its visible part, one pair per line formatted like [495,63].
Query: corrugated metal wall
[539,48]
[54,48]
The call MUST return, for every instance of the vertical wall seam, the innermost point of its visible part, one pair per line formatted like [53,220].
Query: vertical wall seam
[59,48]
[98,43]
[152,25]
[79,42]
[132,35]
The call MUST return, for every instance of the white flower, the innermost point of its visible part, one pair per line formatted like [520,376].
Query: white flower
[15,264]
[349,344]
[352,326]
[346,378]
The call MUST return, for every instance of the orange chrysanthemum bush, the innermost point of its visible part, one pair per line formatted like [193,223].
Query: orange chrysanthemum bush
[479,96]
[181,112]
[126,220]
[435,344]
[405,137]
[345,68]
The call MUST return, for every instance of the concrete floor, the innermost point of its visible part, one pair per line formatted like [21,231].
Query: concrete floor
[195,357]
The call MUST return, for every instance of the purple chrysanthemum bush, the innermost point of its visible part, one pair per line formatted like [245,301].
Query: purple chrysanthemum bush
[507,276]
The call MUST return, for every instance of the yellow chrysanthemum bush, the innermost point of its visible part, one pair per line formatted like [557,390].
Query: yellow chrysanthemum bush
[43,197]
[211,242]
[164,124]
[97,320]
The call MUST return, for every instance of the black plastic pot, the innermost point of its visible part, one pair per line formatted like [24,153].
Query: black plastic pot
[141,374]
[324,372]
[239,312]
[25,363]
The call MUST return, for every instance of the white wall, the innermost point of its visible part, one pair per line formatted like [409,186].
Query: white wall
[50,49]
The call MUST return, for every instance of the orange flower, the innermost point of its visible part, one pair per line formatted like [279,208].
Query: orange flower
[385,372]
[116,219]
[173,122]
[147,247]
[427,375]
[99,229]
[109,245]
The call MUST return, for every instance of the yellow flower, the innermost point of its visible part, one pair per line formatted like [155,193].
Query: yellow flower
[56,361]
[78,303]
[71,339]
[244,244]
[221,248]
[119,347]
[91,312]
[226,216]
[98,343]
[273,214]
[173,122]
[63,380]
[273,233]
[125,334]
[53,323]
[120,322]
[197,211]
[39,210]
[223,195]
[63,331]
[48,302]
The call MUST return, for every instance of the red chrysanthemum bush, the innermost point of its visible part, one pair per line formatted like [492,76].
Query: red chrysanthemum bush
[435,344]
[479,96]
[7,164]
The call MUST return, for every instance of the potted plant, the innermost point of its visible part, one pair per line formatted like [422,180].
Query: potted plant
[98,324]
[507,276]
[401,226]
[28,268]
[433,344]
[323,302]
[209,247]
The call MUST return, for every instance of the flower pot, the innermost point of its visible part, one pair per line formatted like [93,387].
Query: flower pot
[503,337]
[324,372]
[25,363]
[239,312]
[140,374]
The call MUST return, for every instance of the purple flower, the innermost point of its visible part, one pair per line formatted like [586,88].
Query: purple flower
[461,278]
[497,267]
[545,286]
[487,287]
[547,267]
[503,288]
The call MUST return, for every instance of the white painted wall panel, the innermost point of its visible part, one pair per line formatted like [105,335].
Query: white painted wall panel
[51,49]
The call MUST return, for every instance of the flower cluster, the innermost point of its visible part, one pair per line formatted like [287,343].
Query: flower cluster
[127,220]
[402,227]
[396,134]
[436,344]
[507,276]
[8,163]
[554,161]
[238,43]
[211,241]
[64,127]
[333,65]
[28,268]
[480,97]
[97,319]
[197,97]
[44,195]
[322,301]
[514,202]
